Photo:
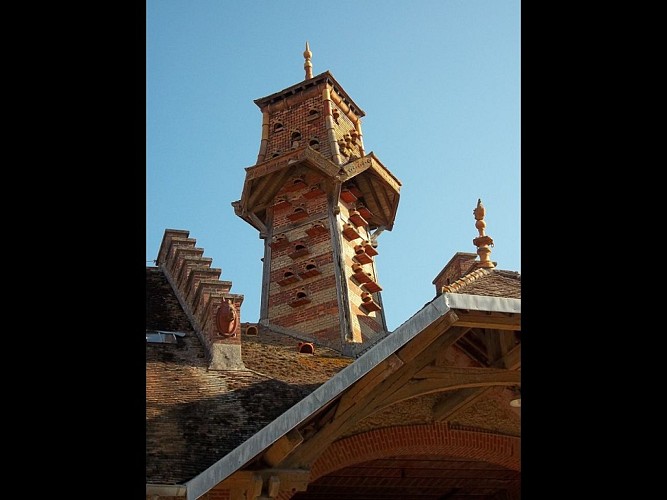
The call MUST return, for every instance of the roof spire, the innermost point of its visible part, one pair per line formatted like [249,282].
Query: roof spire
[482,242]
[308,66]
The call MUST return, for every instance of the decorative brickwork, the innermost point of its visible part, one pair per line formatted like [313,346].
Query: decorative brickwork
[311,147]
[434,440]
[201,294]
[319,203]
[459,265]
[368,324]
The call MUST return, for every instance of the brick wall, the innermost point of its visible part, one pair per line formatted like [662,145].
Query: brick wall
[433,439]
[317,114]
[365,325]
[459,265]
[306,118]
[201,293]
[319,316]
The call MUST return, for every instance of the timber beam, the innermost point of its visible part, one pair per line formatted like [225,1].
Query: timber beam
[483,319]
[283,447]
[455,401]
[433,379]
[388,379]
[264,484]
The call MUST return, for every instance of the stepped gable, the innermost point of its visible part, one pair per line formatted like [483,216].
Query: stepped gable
[213,311]
[196,415]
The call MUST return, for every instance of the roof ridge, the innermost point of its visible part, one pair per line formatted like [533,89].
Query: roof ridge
[465,280]
[508,273]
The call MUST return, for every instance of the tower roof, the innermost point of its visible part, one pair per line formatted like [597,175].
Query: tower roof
[317,80]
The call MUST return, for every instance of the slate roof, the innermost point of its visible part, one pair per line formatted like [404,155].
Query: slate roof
[195,416]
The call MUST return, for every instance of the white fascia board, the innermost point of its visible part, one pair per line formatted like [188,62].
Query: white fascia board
[482,303]
[316,400]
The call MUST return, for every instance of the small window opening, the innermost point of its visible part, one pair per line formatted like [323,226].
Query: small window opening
[163,337]
[296,138]
[306,348]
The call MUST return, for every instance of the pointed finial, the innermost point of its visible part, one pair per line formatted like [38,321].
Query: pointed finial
[308,66]
[482,242]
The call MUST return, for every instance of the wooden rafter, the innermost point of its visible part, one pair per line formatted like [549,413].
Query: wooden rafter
[481,319]
[369,382]
[432,379]
[455,401]
[259,187]
[352,410]
[283,447]
[262,196]
[376,200]
[245,484]
[498,343]
[369,196]
[383,201]
[511,360]
[258,223]
[501,353]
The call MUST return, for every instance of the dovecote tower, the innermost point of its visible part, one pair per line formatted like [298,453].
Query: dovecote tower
[319,202]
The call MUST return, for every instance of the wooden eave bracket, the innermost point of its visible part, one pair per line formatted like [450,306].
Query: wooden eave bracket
[264,483]
[485,319]
[279,450]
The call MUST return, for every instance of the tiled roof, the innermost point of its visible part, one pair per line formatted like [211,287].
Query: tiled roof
[276,355]
[195,416]
[489,282]
[163,312]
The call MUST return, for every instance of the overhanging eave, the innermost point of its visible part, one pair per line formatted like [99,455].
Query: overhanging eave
[434,311]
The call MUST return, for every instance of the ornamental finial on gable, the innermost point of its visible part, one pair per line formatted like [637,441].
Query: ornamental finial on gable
[482,242]
[308,66]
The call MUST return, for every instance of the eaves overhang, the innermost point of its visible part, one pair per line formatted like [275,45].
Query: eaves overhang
[264,180]
[381,187]
[322,78]
[434,311]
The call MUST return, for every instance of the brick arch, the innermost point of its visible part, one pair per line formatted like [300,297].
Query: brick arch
[426,439]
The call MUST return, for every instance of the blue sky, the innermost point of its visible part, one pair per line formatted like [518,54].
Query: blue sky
[439,81]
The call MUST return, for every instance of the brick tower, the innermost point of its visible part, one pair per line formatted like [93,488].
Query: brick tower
[319,203]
